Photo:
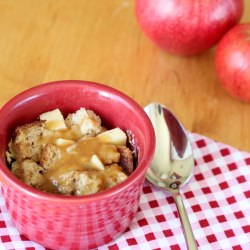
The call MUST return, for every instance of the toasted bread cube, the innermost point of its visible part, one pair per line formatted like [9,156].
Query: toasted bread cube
[84,122]
[114,136]
[54,120]
[108,154]
[26,141]
[49,156]
[28,171]
[66,182]
[96,162]
[114,175]
[88,182]
[126,160]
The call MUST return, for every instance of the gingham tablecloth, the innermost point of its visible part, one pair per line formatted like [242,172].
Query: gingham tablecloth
[217,200]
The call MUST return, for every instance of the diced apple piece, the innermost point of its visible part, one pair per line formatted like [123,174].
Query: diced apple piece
[96,162]
[9,157]
[70,149]
[114,136]
[54,120]
[63,142]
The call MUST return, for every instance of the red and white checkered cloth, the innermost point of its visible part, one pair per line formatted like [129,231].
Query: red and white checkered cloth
[217,200]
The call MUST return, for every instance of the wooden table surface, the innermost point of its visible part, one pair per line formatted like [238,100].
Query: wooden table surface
[97,40]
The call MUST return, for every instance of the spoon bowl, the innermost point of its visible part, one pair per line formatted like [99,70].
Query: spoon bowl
[173,162]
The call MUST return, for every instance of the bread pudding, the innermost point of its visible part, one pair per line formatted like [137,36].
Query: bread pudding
[75,155]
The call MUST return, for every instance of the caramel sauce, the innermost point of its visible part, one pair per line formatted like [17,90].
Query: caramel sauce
[76,157]
[51,136]
[68,162]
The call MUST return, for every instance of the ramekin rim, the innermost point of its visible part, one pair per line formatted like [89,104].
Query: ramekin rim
[137,174]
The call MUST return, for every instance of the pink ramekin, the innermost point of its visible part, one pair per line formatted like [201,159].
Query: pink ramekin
[69,222]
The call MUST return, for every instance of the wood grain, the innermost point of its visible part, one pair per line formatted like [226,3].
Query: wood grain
[100,41]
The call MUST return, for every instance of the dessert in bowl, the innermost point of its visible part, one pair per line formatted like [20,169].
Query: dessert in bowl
[72,156]
[60,221]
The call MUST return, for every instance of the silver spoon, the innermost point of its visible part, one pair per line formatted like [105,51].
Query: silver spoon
[173,162]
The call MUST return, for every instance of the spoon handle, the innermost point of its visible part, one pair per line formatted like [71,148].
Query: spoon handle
[190,240]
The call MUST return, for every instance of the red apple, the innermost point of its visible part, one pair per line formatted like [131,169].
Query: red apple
[187,27]
[232,60]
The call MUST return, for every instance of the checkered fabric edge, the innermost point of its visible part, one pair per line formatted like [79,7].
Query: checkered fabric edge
[217,199]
